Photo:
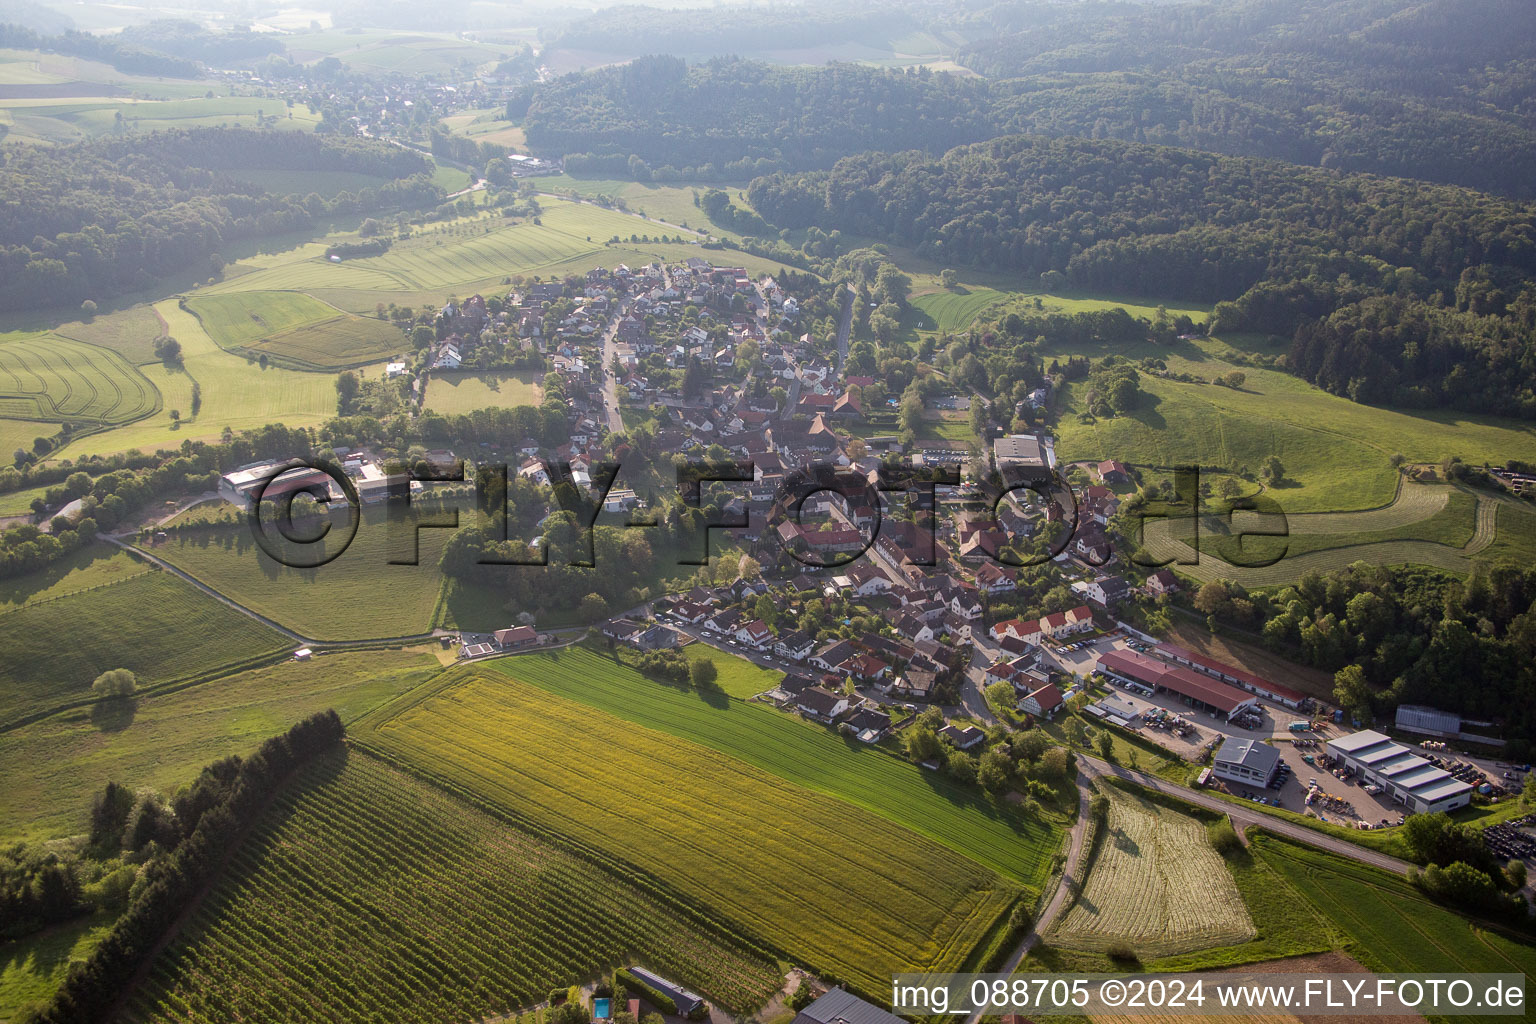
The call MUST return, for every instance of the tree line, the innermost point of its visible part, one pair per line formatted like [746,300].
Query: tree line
[195,834]
[1405,636]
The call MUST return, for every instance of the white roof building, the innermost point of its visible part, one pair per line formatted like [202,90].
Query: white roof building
[1412,781]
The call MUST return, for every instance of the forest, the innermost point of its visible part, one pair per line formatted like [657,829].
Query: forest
[1405,636]
[728,118]
[1439,90]
[96,219]
[1353,86]
[129,59]
[1278,247]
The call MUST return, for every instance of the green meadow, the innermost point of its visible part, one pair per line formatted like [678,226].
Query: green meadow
[294,328]
[54,766]
[337,601]
[461,391]
[1386,923]
[151,623]
[1335,452]
[236,392]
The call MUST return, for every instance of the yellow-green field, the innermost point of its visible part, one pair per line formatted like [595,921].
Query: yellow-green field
[55,100]
[18,435]
[403,904]
[236,393]
[413,53]
[241,318]
[458,391]
[815,876]
[131,332]
[472,254]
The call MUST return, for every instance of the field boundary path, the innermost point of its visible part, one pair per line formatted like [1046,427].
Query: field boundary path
[1058,901]
[230,602]
[1091,768]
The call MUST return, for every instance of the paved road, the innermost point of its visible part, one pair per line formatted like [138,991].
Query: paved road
[1243,816]
[610,379]
[844,329]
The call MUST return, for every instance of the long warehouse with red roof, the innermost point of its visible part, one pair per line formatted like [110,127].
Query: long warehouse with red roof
[1159,675]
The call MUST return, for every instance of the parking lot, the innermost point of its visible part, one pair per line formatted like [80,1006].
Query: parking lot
[1340,800]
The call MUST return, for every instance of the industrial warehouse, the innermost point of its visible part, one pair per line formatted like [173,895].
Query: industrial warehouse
[1230,674]
[1411,780]
[1205,691]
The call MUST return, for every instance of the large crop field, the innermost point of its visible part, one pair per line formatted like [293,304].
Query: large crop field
[1389,925]
[815,876]
[460,391]
[236,392]
[155,625]
[359,596]
[475,254]
[366,895]
[1156,885]
[49,377]
[295,328]
[798,752]
[53,767]
[241,318]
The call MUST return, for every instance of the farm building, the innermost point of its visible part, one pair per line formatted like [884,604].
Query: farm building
[686,1001]
[237,486]
[1246,761]
[1230,674]
[839,1007]
[1412,781]
[1131,667]
[516,636]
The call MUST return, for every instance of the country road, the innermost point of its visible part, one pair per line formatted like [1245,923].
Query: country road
[1076,843]
[844,329]
[610,379]
[1242,816]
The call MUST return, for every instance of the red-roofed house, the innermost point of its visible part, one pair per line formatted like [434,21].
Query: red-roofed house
[1044,702]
